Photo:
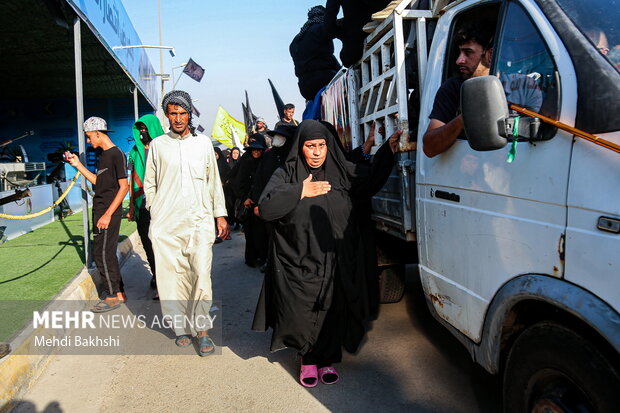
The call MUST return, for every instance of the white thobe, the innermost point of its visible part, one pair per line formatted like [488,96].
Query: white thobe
[183,193]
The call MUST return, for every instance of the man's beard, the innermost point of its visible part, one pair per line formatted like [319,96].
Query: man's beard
[467,74]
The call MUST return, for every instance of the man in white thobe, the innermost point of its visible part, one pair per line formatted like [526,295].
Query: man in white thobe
[184,193]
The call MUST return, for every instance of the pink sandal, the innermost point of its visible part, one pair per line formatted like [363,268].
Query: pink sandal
[308,375]
[329,375]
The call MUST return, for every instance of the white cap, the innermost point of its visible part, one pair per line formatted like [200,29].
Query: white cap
[94,124]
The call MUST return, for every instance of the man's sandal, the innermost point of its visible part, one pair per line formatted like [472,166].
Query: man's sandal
[102,307]
[177,340]
[308,375]
[205,341]
[328,375]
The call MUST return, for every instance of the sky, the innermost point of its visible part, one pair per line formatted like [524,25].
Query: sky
[240,44]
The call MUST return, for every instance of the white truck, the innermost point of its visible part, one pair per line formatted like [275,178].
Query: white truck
[520,260]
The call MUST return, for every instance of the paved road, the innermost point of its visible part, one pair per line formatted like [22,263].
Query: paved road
[408,363]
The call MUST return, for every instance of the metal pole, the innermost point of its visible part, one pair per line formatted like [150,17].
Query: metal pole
[135,103]
[79,103]
[177,81]
[161,51]
[174,86]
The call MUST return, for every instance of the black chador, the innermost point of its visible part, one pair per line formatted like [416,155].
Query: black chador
[315,295]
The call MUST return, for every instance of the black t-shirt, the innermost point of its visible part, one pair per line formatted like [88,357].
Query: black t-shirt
[447,100]
[111,168]
[282,122]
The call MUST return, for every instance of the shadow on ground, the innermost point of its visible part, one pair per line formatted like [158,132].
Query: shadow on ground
[24,406]
[408,362]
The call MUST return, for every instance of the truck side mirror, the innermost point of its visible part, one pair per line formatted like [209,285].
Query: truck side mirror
[484,108]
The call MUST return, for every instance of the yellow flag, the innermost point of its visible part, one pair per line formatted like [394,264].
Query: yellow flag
[224,126]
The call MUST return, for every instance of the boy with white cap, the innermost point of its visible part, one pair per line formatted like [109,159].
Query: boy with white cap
[111,186]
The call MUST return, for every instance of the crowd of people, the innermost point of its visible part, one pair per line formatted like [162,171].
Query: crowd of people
[301,200]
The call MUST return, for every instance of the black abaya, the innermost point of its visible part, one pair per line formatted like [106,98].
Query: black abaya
[316,244]
[254,228]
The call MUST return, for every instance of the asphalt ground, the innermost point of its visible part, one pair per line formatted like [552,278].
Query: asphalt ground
[408,362]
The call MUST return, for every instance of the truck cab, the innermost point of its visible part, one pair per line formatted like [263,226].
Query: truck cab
[519,259]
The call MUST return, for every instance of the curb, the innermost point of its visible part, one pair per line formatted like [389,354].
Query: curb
[19,372]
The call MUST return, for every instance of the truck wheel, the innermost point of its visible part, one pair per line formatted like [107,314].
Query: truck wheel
[392,283]
[553,369]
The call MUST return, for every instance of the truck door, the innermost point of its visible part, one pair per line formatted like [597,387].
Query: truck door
[593,233]
[482,220]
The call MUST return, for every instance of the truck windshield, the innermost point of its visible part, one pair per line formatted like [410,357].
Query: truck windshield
[599,21]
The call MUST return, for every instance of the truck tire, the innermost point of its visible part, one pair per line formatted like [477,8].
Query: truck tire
[550,368]
[392,283]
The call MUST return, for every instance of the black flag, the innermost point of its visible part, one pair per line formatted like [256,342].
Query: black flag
[248,117]
[246,120]
[277,99]
[200,129]
[194,70]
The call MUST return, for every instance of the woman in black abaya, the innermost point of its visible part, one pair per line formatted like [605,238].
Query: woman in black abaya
[315,291]
[222,165]
[254,228]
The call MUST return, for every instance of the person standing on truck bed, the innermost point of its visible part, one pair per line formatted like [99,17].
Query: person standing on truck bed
[356,13]
[312,51]
[475,47]
[286,118]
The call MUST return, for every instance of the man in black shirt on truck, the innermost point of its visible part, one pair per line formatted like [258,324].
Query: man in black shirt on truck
[475,44]
[111,186]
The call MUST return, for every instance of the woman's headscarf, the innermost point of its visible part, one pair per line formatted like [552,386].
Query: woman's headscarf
[232,162]
[336,166]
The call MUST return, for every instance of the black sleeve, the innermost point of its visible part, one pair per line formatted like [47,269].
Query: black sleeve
[224,172]
[232,175]
[356,155]
[279,197]
[368,180]
[446,104]
[120,165]
[240,185]
[333,30]
[258,181]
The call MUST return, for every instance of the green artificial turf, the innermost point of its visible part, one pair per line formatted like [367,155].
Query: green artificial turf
[36,266]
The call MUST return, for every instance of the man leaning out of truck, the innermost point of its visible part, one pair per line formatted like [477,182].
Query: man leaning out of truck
[475,46]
